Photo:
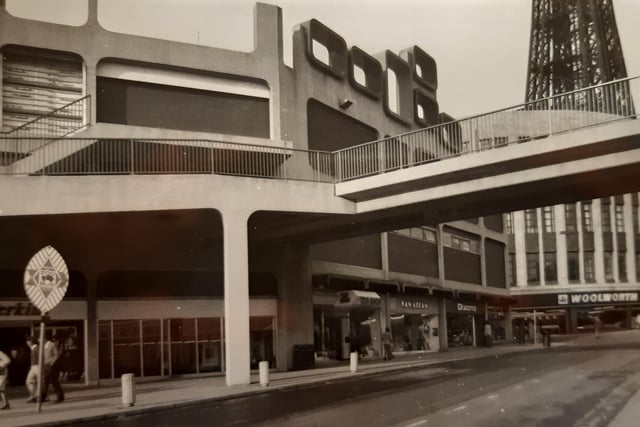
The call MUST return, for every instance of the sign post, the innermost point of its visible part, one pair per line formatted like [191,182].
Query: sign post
[46,280]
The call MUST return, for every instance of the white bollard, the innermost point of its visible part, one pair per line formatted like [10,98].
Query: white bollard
[128,390]
[354,361]
[264,373]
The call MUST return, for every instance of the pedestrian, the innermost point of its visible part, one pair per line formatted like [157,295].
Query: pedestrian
[52,369]
[4,374]
[488,335]
[387,342]
[32,376]
[597,324]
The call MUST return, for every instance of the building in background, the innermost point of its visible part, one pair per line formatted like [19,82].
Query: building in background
[575,262]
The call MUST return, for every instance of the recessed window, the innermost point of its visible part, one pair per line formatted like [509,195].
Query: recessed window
[418,70]
[420,112]
[619,219]
[608,266]
[622,266]
[587,220]
[549,226]
[573,266]
[359,75]
[533,269]
[393,92]
[550,272]
[589,269]
[531,221]
[606,218]
[320,52]
[570,218]
[509,222]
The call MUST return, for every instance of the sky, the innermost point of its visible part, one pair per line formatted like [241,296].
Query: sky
[481,46]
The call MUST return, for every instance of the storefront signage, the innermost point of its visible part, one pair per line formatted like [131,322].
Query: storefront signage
[358,298]
[467,307]
[18,309]
[415,305]
[597,297]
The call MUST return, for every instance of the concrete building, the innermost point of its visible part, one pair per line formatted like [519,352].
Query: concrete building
[175,273]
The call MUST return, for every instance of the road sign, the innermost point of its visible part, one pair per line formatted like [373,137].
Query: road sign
[46,279]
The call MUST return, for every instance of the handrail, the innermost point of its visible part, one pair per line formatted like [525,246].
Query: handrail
[44,116]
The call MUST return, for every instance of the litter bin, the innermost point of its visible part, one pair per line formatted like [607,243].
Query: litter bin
[546,338]
[303,356]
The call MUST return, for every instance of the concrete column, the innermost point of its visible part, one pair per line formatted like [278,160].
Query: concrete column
[521,253]
[629,236]
[483,262]
[598,245]
[561,245]
[295,302]
[579,221]
[442,325]
[236,297]
[440,248]
[91,351]
[384,254]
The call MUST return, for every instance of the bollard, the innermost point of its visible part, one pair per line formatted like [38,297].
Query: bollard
[128,390]
[264,373]
[354,362]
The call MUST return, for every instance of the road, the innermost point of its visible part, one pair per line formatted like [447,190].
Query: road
[564,386]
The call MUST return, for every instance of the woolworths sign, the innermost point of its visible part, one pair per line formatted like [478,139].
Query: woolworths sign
[597,298]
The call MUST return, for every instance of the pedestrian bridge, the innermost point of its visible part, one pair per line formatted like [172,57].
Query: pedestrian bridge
[579,145]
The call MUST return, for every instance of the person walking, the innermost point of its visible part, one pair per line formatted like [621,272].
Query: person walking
[387,342]
[488,334]
[52,369]
[597,324]
[32,376]
[4,374]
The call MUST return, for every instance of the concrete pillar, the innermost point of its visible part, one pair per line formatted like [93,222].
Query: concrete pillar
[295,302]
[236,297]
[91,351]
[508,326]
[483,262]
[442,325]
[384,254]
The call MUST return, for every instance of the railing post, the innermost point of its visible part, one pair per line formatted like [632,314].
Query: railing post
[131,157]
[549,105]
[337,159]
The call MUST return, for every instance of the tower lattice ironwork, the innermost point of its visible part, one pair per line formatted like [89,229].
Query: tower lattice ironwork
[574,44]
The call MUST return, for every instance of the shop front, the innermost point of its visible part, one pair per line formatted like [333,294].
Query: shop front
[414,323]
[67,323]
[464,323]
[575,312]
[347,321]
[175,337]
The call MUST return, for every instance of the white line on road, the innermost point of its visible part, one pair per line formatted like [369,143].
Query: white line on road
[417,423]
[459,408]
[519,387]
[493,396]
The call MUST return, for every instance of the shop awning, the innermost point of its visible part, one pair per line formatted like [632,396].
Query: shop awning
[356,298]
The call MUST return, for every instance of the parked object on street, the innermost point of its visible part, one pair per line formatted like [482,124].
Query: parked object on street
[128,390]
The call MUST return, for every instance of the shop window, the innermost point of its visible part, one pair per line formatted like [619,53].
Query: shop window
[550,271]
[104,349]
[573,266]
[183,346]
[608,266]
[209,344]
[570,218]
[261,341]
[587,219]
[622,266]
[589,269]
[126,347]
[151,347]
[533,269]
[531,221]
[413,332]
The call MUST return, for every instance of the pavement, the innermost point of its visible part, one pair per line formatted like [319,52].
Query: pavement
[84,403]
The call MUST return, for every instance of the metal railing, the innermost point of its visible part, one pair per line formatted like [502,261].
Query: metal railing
[92,156]
[533,120]
[23,140]
[525,122]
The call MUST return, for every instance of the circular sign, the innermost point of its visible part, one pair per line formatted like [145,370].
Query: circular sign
[46,279]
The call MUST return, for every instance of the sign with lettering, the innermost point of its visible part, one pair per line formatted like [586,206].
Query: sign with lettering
[18,308]
[413,305]
[46,279]
[465,307]
[597,298]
